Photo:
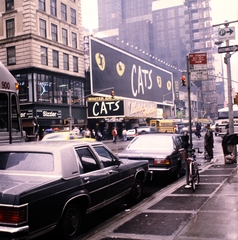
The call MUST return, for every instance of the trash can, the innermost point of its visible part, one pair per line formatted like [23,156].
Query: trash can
[229,148]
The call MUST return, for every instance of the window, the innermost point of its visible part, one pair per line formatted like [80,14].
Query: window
[75,64]
[9,5]
[25,83]
[27,161]
[10,28]
[63,12]
[73,16]
[42,28]
[42,5]
[4,113]
[44,88]
[53,7]
[64,36]
[11,56]
[77,92]
[55,58]
[87,162]
[61,86]
[54,33]
[44,56]
[74,40]
[66,61]
[106,158]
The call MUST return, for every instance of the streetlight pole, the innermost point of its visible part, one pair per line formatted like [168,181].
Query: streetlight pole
[164,114]
[70,110]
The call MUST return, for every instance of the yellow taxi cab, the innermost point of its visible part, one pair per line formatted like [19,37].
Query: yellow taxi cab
[61,136]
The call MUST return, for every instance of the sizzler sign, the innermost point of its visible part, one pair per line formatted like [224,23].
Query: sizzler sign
[130,76]
[105,108]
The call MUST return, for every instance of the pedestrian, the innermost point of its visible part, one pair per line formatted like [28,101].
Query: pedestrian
[87,133]
[93,133]
[208,142]
[99,136]
[105,133]
[198,130]
[124,134]
[83,132]
[76,130]
[114,135]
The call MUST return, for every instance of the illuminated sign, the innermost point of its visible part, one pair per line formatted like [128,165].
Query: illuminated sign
[105,108]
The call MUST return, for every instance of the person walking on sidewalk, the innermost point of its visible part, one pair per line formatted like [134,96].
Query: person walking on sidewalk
[208,142]
[114,135]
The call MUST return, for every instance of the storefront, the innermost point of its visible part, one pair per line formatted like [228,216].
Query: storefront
[105,113]
[53,119]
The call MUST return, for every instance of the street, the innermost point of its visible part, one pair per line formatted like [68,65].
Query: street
[99,221]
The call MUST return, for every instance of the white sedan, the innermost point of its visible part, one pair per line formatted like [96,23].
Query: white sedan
[131,133]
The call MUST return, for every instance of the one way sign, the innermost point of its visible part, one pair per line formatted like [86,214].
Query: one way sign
[226,33]
[228,49]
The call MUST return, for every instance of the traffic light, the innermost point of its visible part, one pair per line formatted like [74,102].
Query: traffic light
[112,94]
[66,121]
[183,80]
[236,99]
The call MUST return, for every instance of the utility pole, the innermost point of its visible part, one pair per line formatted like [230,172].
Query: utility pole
[70,110]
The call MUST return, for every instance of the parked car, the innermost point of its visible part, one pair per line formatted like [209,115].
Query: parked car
[185,129]
[166,153]
[146,129]
[52,185]
[131,133]
[61,136]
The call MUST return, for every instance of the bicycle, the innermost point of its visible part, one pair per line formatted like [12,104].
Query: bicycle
[193,169]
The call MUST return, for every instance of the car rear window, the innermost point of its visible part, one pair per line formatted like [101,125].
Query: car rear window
[17,161]
[163,143]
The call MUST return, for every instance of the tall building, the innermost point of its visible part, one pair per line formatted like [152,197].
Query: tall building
[164,33]
[198,22]
[41,46]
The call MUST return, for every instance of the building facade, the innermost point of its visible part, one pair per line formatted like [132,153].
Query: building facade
[41,46]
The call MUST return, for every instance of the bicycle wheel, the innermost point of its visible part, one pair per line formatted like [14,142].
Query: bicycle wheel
[198,177]
[192,177]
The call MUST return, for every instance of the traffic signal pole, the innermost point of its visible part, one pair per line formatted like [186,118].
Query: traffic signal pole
[189,105]
[190,123]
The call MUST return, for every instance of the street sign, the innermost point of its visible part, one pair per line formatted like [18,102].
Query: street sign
[227,33]
[199,75]
[198,66]
[228,49]
[197,58]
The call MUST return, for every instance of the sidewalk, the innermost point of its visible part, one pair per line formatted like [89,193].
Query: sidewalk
[218,217]
[176,213]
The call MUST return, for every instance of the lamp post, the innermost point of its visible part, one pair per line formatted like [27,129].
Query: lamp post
[164,95]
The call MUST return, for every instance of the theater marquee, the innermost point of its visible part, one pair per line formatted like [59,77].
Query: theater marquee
[121,108]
